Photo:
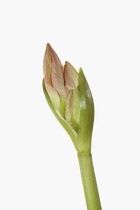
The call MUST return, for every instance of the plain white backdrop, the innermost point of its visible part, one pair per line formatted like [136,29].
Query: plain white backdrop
[38,163]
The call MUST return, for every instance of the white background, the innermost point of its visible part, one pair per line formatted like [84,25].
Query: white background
[38,163]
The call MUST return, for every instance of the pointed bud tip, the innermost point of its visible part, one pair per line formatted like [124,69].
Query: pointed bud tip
[67,62]
[80,70]
[48,45]
[81,73]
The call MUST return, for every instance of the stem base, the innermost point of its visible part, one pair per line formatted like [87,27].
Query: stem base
[89,182]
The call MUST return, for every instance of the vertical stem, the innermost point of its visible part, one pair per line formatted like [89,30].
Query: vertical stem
[89,182]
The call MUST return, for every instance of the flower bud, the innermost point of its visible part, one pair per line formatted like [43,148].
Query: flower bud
[69,97]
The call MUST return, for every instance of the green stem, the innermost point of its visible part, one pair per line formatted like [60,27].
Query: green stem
[89,182]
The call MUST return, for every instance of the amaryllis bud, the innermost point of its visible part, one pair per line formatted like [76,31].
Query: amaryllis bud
[69,96]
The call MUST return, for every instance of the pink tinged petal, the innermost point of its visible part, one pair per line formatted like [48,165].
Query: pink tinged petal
[71,76]
[67,91]
[47,65]
[68,107]
[57,74]
[53,96]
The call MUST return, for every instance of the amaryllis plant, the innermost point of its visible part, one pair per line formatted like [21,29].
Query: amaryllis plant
[69,97]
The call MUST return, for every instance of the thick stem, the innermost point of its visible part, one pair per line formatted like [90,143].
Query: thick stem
[89,182]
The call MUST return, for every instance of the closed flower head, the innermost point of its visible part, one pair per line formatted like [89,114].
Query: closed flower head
[69,96]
